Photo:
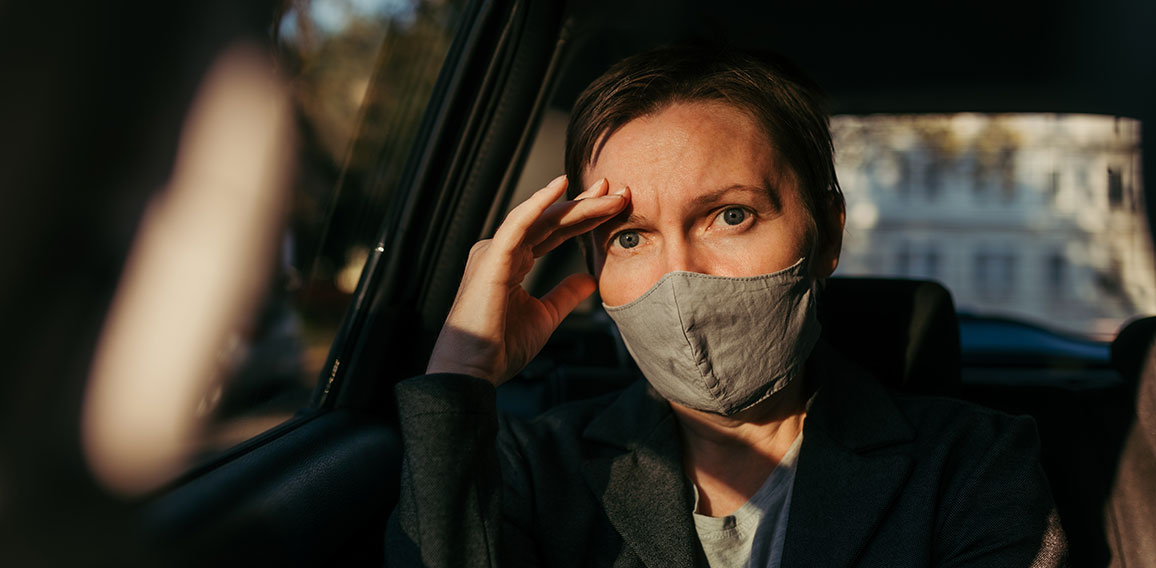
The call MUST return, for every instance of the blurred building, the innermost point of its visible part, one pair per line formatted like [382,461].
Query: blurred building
[1033,216]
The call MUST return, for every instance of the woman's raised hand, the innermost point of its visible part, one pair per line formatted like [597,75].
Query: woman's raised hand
[495,327]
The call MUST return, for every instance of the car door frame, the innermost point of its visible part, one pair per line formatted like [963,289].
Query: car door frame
[319,488]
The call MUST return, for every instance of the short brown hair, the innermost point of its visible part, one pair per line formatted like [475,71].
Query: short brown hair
[787,104]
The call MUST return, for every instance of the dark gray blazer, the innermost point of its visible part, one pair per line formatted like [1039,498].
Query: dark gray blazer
[882,480]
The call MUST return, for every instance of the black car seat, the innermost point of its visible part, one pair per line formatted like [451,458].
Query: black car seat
[1082,427]
[905,332]
[1130,513]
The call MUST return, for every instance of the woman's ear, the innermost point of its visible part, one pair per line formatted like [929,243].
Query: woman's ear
[831,243]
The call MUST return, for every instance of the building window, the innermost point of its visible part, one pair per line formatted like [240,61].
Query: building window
[994,275]
[917,261]
[1053,186]
[1056,274]
[1115,188]
[932,177]
[931,263]
[903,181]
[978,176]
[903,259]
[1007,172]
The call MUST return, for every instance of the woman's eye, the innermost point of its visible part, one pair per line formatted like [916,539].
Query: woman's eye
[627,239]
[733,215]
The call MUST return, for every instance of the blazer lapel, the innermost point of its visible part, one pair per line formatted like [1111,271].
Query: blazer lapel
[642,486]
[854,460]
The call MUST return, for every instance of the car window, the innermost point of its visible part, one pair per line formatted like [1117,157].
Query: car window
[1036,217]
[361,74]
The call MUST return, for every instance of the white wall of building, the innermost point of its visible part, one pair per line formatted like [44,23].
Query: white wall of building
[1034,216]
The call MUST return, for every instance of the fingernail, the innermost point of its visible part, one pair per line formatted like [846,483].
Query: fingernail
[622,190]
[557,179]
[596,185]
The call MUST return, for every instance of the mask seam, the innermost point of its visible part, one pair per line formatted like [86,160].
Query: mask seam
[798,367]
[697,366]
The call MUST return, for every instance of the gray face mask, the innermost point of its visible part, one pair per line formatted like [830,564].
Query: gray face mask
[721,344]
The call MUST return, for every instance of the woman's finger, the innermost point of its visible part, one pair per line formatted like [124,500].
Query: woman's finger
[564,220]
[513,228]
[598,189]
[520,221]
[561,216]
[558,237]
[599,203]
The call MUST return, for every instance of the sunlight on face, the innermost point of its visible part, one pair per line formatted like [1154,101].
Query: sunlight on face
[709,194]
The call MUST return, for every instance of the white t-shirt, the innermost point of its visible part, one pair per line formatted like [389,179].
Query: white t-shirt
[753,535]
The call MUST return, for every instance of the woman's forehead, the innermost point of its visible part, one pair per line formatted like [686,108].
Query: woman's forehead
[687,146]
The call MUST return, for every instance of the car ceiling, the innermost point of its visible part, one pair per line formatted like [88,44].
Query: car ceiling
[906,56]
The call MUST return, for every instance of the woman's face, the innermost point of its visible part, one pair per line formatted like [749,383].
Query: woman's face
[709,194]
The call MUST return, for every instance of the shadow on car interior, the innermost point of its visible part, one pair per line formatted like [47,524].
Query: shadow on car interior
[318,487]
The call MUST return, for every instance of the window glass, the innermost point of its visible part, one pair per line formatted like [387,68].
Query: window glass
[1038,217]
[362,73]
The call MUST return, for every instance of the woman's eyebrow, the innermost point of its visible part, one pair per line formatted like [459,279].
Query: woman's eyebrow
[620,220]
[759,193]
[623,219]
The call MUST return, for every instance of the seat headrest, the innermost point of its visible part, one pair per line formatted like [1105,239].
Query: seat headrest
[1131,346]
[905,332]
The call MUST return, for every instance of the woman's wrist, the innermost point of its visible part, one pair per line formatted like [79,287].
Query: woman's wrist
[451,357]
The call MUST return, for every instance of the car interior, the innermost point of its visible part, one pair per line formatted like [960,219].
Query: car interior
[316,485]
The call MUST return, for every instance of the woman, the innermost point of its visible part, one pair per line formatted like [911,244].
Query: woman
[710,216]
